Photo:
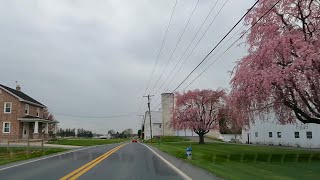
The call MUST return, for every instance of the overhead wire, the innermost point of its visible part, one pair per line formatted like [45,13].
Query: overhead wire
[157,59]
[212,57]
[199,40]
[176,46]
[163,41]
[194,37]
[96,117]
[196,45]
[232,44]
[215,47]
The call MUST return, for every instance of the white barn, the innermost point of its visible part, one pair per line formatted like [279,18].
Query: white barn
[156,121]
[271,132]
[157,127]
[167,105]
[161,119]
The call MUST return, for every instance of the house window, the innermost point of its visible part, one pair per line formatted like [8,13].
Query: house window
[159,125]
[26,109]
[296,135]
[38,112]
[7,107]
[270,134]
[256,134]
[279,134]
[309,135]
[6,127]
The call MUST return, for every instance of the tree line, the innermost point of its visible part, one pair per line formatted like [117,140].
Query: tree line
[82,133]
[127,133]
[68,132]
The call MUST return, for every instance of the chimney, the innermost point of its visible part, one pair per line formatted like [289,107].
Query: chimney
[18,88]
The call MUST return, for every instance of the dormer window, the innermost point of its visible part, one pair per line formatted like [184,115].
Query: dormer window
[26,109]
[7,107]
[38,111]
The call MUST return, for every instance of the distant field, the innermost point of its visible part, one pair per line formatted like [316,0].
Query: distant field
[20,153]
[232,161]
[86,142]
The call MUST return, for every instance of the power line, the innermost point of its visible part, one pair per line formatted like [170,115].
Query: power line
[174,50]
[232,44]
[164,38]
[211,64]
[95,117]
[194,37]
[219,50]
[157,59]
[140,106]
[175,75]
[215,47]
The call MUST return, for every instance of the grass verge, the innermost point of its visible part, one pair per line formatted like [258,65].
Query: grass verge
[20,153]
[86,142]
[168,139]
[231,161]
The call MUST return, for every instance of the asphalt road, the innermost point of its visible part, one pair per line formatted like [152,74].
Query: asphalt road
[131,161]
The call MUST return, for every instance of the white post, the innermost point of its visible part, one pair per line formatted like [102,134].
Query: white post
[47,128]
[36,127]
[55,129]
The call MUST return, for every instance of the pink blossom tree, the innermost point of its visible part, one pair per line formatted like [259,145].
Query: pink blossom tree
[47,115]
[198,110]
[228,123]
[281,72]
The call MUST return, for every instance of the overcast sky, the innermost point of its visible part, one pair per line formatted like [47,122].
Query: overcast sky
[94,58]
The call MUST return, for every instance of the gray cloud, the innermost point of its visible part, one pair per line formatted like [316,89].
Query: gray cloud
[94,57]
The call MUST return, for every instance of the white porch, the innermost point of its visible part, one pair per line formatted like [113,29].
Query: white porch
[36,128]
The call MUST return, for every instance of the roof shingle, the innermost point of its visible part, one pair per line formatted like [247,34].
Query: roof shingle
[21,95]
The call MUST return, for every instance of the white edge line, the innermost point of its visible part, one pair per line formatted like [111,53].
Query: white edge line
[47,157]
[170,165]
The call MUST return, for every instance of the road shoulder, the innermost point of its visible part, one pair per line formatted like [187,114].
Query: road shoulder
[32,160]
[190,170]
[38,144]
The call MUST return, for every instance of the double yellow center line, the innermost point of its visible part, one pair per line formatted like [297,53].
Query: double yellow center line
[83,169]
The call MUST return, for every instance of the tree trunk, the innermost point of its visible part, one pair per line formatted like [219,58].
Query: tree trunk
[201,139]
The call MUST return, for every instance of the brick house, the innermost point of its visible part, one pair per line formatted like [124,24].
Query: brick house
[22,117]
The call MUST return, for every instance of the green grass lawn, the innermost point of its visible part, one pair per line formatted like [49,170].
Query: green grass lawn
[168,139]
[173,139]
[20,153]
[232,161]
[86,142]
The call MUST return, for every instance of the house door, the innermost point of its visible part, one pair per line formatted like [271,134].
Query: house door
[25,130]
[249,138]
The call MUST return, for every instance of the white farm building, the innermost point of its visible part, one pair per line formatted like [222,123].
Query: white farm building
[271,132]
[160,120]
[156,125]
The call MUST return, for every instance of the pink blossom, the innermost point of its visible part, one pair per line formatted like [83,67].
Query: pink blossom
[282,69]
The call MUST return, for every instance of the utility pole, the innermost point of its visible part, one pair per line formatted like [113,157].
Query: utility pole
[149,116]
